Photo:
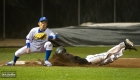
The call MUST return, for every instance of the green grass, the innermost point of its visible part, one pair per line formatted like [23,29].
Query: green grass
[68,73]
[72,73]
[84,51]
[7,54]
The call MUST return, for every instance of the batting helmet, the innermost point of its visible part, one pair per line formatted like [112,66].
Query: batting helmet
[60,50]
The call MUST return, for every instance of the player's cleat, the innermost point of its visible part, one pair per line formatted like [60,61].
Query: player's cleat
[11,63]
[47,63]
[129,45]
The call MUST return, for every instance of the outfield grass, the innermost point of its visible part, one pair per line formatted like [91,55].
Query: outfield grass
[68,73]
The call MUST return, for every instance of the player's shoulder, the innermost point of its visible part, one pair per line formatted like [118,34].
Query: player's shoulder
[48,29]
[35,28]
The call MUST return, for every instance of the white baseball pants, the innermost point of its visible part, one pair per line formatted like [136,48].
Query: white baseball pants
[47,46]
[101,58]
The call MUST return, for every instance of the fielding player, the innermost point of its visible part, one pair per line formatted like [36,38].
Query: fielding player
[37,41]
[97,59]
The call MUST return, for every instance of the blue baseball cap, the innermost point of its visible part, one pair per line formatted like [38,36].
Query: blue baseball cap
[43,19]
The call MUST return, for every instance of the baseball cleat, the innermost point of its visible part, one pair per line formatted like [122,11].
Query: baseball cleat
[11,63]
[47,63]
[129,45]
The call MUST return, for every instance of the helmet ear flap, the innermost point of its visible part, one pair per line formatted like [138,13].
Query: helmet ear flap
[60,50]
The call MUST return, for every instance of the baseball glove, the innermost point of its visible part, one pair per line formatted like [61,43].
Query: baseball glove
[40,36]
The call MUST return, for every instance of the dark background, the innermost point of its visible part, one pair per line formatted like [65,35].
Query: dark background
[22,15]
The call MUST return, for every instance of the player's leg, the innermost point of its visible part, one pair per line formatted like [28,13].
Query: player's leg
[97,58]
[113,57]
[17,55]
[48,46]
[104,58]
[20,52]
[127,44]
[117,51]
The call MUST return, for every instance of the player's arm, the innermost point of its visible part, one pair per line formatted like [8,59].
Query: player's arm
[52,35]
[28,45]
[28,41]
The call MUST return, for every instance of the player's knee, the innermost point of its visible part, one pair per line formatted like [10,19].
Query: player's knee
[48,45]
[18,53]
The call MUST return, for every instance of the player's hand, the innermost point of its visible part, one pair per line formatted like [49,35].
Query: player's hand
[28,50]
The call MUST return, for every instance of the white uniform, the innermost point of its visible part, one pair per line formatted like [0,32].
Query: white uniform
[37,45]
[37,41]
[117,51]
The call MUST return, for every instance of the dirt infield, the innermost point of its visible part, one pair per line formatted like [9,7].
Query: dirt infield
[126,63]
[120,63]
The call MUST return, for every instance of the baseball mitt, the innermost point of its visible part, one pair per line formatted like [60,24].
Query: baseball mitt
[40,36]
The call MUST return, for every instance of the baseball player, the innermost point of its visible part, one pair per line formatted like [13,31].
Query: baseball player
[37,41]
[97,59]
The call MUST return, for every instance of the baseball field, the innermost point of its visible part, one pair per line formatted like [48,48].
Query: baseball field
[125,68]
